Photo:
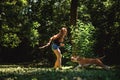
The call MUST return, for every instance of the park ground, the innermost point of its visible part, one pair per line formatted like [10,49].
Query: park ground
[23,72]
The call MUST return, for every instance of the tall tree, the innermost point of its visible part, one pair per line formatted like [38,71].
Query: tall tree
[73,12]
[73,19]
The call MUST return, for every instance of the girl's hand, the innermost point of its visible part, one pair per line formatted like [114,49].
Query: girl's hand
[61,44]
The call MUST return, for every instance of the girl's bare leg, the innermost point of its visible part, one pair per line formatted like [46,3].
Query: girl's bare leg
[58,60]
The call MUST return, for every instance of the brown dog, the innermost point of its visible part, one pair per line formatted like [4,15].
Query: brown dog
[88,61]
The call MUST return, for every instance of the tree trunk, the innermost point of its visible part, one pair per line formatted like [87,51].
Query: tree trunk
[73,19]
[73,12]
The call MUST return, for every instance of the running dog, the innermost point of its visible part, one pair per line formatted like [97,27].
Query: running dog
[83,62]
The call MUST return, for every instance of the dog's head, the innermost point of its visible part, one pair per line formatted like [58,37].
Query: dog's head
[74,58]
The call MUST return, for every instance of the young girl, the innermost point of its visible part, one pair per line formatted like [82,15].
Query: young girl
[57,41]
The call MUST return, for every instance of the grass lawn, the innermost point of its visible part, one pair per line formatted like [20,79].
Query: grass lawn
[17,72]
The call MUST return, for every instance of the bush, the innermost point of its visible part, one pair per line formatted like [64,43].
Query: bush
[82,39]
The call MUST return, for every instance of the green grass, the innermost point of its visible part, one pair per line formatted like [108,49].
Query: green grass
[17,72]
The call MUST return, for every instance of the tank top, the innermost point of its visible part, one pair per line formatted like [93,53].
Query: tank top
[57,42]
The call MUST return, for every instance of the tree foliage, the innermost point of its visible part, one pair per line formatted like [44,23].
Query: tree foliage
[27,24]
[105,16]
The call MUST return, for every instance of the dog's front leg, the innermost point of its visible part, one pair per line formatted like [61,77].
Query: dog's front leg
[77,67]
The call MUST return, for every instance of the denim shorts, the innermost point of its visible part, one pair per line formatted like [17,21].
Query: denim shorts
[55,46]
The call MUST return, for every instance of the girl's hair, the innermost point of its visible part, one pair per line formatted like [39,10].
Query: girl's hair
[63,30]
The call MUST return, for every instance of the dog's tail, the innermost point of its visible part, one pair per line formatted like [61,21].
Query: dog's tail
[102,57]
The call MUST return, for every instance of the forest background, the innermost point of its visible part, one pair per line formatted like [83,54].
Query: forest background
[93,29]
